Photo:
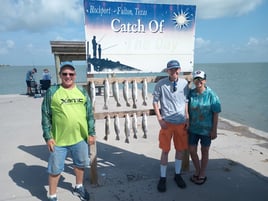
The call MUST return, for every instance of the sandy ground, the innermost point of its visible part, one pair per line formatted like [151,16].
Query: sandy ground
[237,170]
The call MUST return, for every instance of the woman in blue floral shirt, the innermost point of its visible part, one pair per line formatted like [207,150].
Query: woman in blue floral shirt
[204,107]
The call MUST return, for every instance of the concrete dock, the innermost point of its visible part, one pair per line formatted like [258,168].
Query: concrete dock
[237,170]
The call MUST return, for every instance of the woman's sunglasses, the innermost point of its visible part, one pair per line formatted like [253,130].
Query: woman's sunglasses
[199,79]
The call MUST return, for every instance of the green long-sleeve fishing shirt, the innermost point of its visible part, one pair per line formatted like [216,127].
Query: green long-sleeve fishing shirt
[67,115]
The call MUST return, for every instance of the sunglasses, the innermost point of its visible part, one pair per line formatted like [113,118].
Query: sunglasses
[174,86]
[70,74]
[199,79]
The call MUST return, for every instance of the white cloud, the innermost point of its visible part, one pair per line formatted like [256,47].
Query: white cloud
[254,49]
[257,43]
[204,46]
[202,43]
[30,46]
[3,50]
[10,43]
[5,46]
[208,9]
[42,15]
[39,15]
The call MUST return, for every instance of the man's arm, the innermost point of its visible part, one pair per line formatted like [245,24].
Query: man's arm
[159,116]
[46,116]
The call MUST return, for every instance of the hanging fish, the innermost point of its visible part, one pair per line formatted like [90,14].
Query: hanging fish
[92,93]
[106,93]
[135,125]
[144,125]
[116,93]
[127,128]
[134,93]
[126,92]
[117,127]
[107,126]
[144,92]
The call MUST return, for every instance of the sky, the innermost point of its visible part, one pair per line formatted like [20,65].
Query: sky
[226,31]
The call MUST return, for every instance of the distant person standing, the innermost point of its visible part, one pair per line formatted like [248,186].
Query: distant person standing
[171,92]
[204,107]
[46,75]
[68,126]
[99,51]
[94,46]
[29,79]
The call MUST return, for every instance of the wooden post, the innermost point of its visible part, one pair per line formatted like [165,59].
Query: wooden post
[93,152]
[57,66]
[93,164]
[185,162]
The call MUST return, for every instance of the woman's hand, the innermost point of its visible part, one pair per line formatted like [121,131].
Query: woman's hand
[213,135]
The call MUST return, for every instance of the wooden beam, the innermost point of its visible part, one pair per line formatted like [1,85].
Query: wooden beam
[122,79]
[122,114]
[140,79]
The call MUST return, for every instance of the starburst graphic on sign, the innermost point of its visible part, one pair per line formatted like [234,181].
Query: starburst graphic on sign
[181,19]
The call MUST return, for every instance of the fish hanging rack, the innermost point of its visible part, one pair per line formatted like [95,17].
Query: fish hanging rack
[99,84]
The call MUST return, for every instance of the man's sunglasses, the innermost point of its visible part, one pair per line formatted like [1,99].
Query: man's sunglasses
[70,74]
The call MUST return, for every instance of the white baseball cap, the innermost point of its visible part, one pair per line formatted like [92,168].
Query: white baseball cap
[199,74]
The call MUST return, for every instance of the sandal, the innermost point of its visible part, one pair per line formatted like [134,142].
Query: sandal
[200,180]
[193,178]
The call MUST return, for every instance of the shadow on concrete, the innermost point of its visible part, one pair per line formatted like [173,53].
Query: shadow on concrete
[41,152]
[34,178]
[121,165]
[130,176]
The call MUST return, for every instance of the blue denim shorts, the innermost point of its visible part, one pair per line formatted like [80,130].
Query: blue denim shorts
[79,153]
[193,140]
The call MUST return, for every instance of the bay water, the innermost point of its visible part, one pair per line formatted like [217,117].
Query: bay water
[241,87]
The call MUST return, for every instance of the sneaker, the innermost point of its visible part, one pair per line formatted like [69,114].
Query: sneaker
[179,181]
[52,199]
[161,187]
[81,193]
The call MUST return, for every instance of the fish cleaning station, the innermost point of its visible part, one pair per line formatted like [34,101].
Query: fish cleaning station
[122,67]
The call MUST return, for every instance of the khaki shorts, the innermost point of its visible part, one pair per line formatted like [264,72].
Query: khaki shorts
[179,134]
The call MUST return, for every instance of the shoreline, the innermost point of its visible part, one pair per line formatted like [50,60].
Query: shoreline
[247,130]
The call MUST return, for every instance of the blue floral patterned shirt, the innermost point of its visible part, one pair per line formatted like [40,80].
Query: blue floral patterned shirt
[201,109]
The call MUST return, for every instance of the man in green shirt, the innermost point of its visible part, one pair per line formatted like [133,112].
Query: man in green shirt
[68,126]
